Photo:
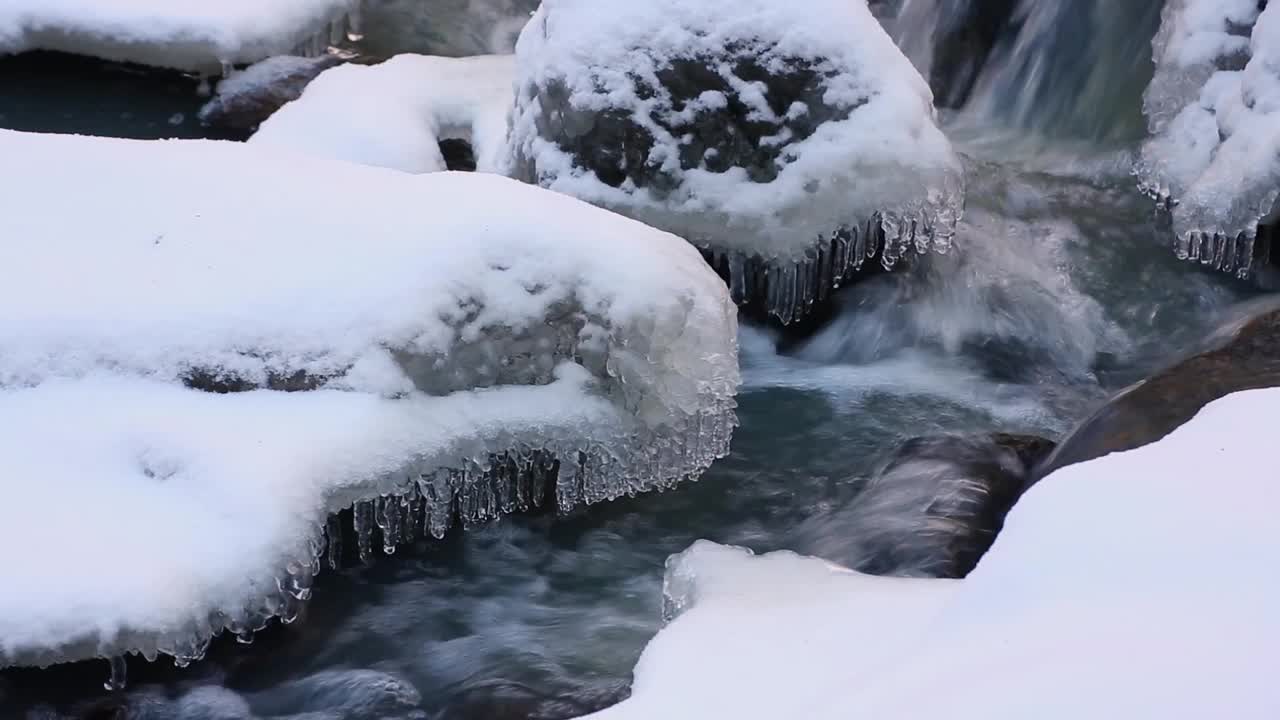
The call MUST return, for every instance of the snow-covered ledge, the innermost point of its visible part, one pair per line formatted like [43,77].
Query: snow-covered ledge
[207,349]
[1138,585]
[204,36]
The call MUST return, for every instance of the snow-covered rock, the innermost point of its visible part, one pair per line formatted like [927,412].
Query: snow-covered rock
[1214,111]
[395,114]
[1138,585]
[193,35]
[207,349]
[245,98]
[792,139]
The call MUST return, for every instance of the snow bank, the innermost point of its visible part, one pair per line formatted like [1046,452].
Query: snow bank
[193,35]
[1142,584]
[426,347]
[394,114]
[793,137]
[1214,109]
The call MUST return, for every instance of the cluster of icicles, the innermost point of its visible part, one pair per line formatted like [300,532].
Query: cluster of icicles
[1238,254]
[427,504]
[789,289]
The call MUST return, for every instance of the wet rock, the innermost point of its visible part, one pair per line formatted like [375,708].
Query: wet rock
[503,700]
[248,97]
[1242,354]
[966,34]
[934,509]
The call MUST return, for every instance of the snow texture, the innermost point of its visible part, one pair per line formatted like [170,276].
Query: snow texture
[1141,584]
[394,114]
[192,35]
[218,347]
[754,128]
[1214,110]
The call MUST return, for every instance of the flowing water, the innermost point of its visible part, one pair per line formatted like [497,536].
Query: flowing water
[1061,292]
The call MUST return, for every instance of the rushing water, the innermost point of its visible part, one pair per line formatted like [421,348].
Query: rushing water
[1061,293]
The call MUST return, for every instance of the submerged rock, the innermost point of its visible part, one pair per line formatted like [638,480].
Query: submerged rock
[514,701]
[248,97]
[933,510]
[1242,354]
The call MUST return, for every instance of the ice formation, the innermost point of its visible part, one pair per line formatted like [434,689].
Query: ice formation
[1214,110]
[394,114]
[192,35]
[1141,584]
[198,369]
[792,142]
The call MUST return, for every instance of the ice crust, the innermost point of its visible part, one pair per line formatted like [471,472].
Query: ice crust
[192,35]
[394,114]
[1214,110]
[650,108]
[198,368]
[1141,584]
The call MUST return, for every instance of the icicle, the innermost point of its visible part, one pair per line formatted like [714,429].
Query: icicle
[333,545]
[363,520]
[738,277]
[355,22]
[228,69]
[119,674]
[338,30]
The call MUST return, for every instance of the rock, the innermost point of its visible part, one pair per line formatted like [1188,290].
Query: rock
[963,39]
[753,139]
[933,510]
[503,700]
[248,97]
[1242,354]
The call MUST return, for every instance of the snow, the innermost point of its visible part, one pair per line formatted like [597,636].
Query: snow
[433,320]
[192,35]
[1215,153]
[1141,584]
[874,146]
[394,114]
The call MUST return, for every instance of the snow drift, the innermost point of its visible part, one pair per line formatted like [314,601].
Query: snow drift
[215,347]
[791,140]
[1141,584]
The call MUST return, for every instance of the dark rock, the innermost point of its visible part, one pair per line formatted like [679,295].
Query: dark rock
[934,509]
[1242,354]
[966,34]
[502,700]
[246,99]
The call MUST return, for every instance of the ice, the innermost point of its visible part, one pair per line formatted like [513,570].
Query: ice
[1214,108]
[252,346]
[192,35]
[394,114]
[792,141]
[1141,584]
